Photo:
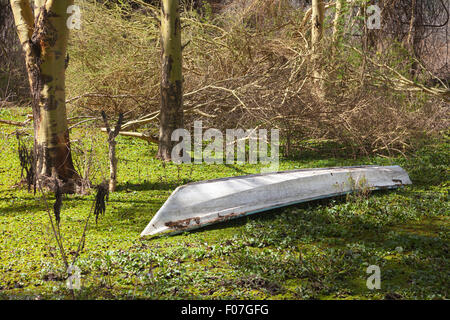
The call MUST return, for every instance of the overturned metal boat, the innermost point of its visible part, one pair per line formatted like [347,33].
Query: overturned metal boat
[206,202]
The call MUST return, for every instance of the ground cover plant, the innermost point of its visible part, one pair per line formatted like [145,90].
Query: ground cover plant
[317,250]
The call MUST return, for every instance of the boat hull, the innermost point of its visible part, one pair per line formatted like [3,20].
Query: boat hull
[206,202]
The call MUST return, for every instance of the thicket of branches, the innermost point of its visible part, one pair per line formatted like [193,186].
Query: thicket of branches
[248,64]
[423,26]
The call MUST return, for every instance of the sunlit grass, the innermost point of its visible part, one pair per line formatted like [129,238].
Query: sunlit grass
[315,250]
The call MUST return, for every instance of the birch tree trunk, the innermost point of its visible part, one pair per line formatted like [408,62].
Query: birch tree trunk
[44,38]
[171,81]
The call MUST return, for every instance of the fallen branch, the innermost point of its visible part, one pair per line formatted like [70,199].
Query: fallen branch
[30,117]
[103,95]
[144,120]
[15,123]
[139,135]
[83,121]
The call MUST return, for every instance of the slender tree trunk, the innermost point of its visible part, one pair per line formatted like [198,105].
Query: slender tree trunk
[416,33]
[44,40]
[411,24]
[171,81]
[317,20]
[112,134]
[317,17]
[338,20]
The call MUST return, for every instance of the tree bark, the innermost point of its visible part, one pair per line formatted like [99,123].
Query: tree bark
[416,32]
[112,134]
[317,16]
[171,116]
[317,20]
[338,20]
[44,38]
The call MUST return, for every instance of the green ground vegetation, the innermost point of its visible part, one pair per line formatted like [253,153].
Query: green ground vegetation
[317,250]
